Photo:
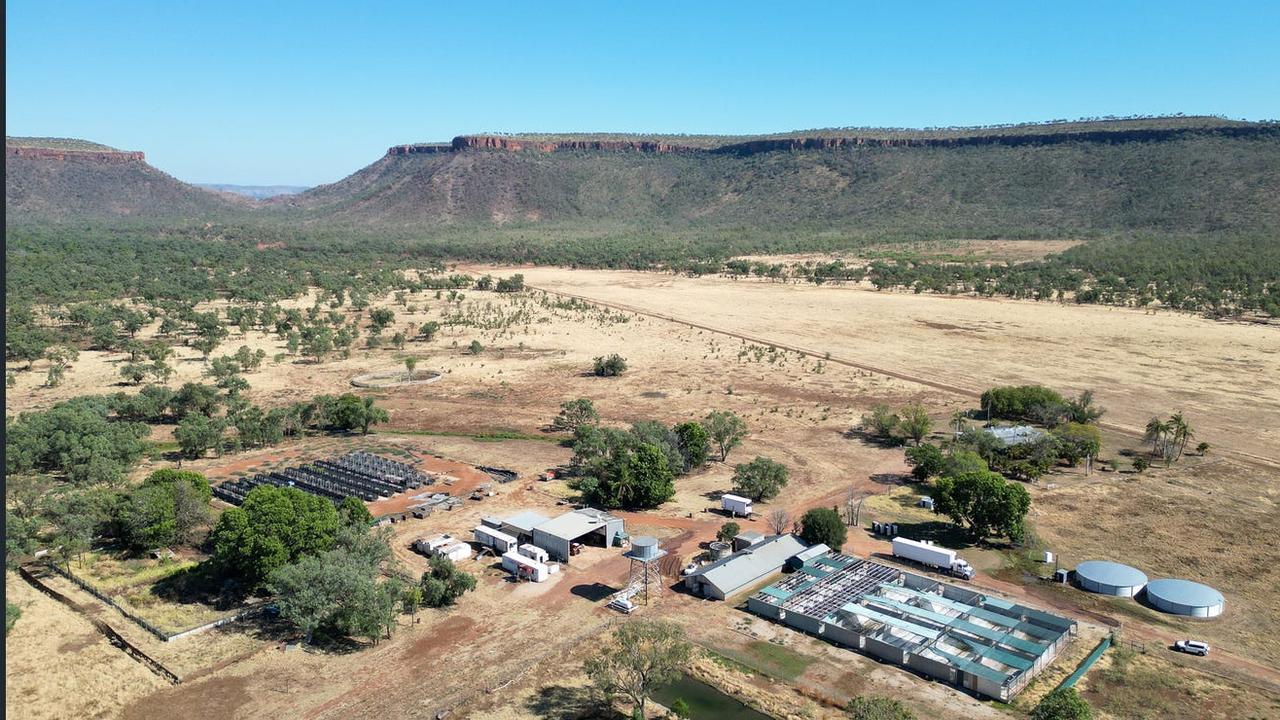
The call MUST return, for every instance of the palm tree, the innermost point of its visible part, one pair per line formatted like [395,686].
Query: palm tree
[957,418]
[409,364]
[1181,431]
[1156,430]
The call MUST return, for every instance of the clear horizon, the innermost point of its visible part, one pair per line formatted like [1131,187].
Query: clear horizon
[231,94]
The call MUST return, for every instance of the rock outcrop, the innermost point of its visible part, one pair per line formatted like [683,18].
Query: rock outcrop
[785,144]
[93,155]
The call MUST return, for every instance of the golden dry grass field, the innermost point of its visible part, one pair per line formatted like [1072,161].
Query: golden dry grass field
[512,651]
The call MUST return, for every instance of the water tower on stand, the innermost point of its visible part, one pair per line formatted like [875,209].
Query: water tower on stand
[646,576]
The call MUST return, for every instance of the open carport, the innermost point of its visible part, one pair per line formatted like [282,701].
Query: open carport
[586,525]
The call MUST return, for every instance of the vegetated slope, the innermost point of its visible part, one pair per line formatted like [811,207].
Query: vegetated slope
[1104,177]
[254,192]
[57,180]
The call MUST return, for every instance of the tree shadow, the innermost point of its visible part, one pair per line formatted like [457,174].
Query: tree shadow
[892,479]
[943,533]
[870,439]
[201,584]
[557,702]
[595,592]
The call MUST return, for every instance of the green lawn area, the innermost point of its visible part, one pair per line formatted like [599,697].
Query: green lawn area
[110,573]
[766,658]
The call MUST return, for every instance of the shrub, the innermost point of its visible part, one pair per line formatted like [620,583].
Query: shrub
[611,366]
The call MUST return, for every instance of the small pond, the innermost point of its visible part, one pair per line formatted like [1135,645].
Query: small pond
[706,702]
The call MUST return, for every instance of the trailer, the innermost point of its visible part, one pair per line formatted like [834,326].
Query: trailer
[735,505]
[523,567]
[930,555]
[456,551]
[533,552]
[496,539]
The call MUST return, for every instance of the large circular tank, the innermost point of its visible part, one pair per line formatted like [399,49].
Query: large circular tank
[719,550]
[1110,578]
[1183,597]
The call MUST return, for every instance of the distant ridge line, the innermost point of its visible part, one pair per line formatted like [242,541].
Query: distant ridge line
[773,144]
[119,156]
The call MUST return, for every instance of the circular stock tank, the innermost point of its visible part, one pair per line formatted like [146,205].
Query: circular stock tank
[719,550]
[1183,597]
[644,547]
[1110,578]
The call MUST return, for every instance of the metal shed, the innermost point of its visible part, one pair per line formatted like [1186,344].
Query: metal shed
[1110,578]
[744,568]
[558,534]
[1184,597]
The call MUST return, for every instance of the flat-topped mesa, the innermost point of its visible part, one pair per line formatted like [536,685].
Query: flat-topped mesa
[102,156]
[751,147]
[420,149]
[513,144]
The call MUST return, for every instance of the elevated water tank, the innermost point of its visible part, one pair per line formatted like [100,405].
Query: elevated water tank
[1110,578]
[1183,597]
[644,547]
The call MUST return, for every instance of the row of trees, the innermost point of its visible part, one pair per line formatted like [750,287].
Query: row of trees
[911,423]
[1041,405]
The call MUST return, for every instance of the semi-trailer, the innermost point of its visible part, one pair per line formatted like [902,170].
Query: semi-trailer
[929,555]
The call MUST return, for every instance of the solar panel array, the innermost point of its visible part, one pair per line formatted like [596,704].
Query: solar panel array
[358,474]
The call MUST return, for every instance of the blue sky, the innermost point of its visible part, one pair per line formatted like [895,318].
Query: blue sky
[308,92]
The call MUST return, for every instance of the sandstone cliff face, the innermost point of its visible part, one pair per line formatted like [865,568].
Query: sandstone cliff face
[51,154]
[764,145]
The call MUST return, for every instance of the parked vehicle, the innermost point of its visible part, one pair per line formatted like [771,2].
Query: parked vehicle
[735,505]
[930,555]
[1192,647]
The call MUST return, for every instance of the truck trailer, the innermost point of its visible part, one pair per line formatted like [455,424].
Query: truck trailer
[932,556]
[735,505]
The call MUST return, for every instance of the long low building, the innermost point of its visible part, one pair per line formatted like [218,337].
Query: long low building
[982,643]
[739,571]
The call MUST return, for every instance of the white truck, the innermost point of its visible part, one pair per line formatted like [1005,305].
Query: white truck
[930,555]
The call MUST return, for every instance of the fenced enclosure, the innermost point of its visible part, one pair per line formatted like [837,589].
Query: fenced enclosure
[358,474]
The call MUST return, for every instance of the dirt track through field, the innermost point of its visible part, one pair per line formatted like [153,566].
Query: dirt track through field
[1248,458]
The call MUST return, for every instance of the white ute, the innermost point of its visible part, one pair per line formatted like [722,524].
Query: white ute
[1192,647]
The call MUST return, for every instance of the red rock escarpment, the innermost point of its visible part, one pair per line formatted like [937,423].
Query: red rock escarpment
[94,155]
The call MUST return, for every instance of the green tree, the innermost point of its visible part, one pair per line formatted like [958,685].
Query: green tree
[197,435]
[869,707]
[681,709]
[475,348]
[927,461]
[726,429]
[380,319]
[881,422]
[196,398]
[410,364]
[1082,410]
[77,438]
[639,656]
[611,366]
[728,531]
[1139,464]
[444,583]
[353,512]
[760,479]
[983,502]
[1062,704]
[574,413]
[428,330]
[1077,441]
[823,525]
[915,422]
[694,444]
[274,527]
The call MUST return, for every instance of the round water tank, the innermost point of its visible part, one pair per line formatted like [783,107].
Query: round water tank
[1110,578]
[644,547]
[719,550]
[1183,597]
